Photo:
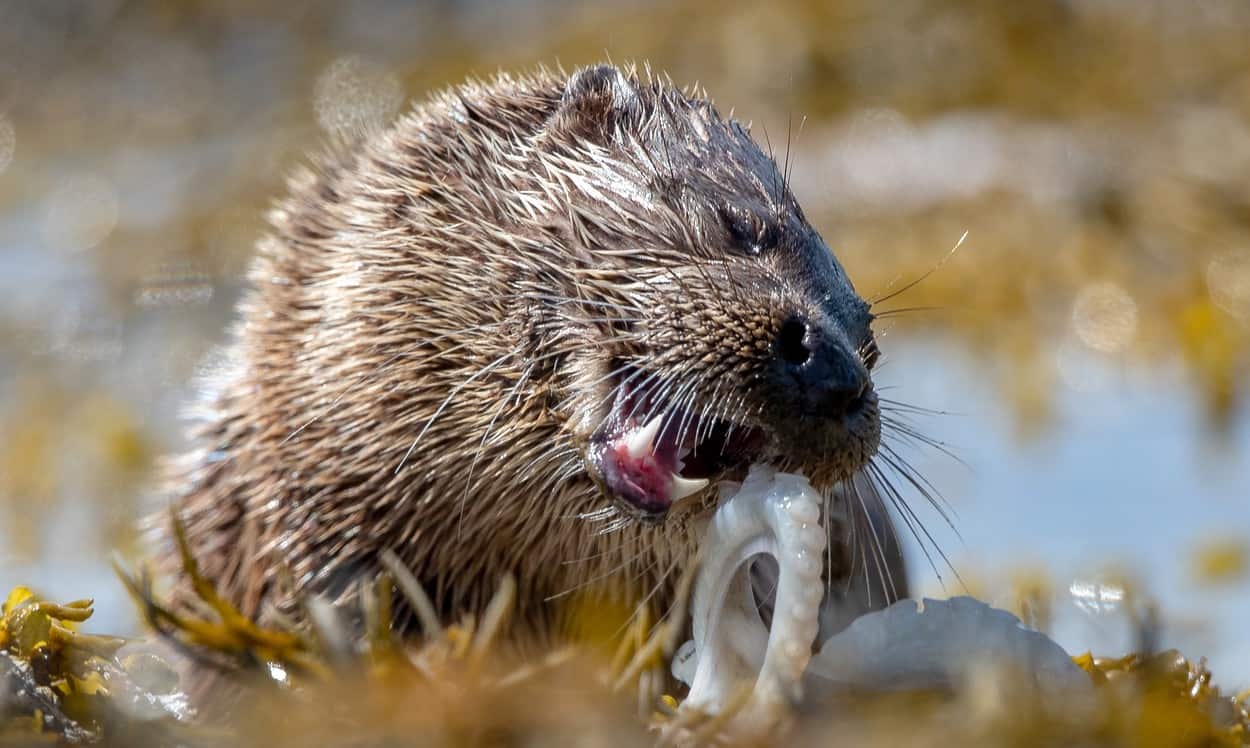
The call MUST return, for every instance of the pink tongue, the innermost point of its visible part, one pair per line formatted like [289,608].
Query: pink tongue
[649,478]
[639,463]
[649,471]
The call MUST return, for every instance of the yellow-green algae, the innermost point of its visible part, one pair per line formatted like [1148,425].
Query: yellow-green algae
[460,684]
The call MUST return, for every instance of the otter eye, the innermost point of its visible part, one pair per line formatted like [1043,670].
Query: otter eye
[754,235]
[741,227]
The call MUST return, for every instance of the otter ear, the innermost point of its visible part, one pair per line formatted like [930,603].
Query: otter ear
[595,103]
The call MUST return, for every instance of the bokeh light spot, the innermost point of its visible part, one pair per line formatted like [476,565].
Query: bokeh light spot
[1228,280]
[80,213]
[1105,317]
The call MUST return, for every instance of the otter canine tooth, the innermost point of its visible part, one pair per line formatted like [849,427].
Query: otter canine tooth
[641,441]
[683,487]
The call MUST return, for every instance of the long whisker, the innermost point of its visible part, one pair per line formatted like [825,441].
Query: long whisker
[583,584]
[905,310]
[641,606]
[878,550]
[923,486]
[926,274]
[481,446]
[917,409]
[914,524]
[909,434]
[442,406]
[382,366]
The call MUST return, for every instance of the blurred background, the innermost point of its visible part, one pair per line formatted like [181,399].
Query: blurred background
[1087,347]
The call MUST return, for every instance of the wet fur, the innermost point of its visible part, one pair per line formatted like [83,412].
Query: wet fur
[432,331]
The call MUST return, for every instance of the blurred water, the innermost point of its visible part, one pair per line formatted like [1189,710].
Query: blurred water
[1124,482]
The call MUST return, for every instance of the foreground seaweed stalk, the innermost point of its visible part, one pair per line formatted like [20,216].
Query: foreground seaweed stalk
[452,668]
[335,681]
[231,641]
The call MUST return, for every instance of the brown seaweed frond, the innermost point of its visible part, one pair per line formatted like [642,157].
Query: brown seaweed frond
[325,642]
[64,686]
[223,638]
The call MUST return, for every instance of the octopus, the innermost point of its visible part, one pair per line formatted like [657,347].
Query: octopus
[908,645]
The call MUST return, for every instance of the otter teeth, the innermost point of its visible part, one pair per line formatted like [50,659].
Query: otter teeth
[640,442]
[683,487]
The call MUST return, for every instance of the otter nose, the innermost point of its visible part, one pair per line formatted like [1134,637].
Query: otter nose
[830,378]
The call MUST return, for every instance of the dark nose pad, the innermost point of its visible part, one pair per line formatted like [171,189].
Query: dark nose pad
[829,376]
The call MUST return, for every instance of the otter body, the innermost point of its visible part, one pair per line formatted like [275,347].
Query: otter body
[526,329]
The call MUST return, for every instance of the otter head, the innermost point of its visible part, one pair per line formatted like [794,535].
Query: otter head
[710,325]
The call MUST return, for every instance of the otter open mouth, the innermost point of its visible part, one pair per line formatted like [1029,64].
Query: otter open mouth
[649,454]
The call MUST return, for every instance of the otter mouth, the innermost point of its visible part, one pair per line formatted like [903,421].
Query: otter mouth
[648,454]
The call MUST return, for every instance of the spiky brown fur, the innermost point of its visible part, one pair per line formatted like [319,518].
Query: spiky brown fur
[432,328]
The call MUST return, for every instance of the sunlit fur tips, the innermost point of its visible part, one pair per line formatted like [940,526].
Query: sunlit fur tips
[442,317]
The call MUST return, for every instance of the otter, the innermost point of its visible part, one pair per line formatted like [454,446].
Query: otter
[528,328]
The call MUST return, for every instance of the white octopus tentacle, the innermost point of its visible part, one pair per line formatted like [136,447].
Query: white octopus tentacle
[933,644]
[776,514]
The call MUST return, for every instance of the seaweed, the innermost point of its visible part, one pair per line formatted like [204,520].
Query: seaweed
[335,679]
